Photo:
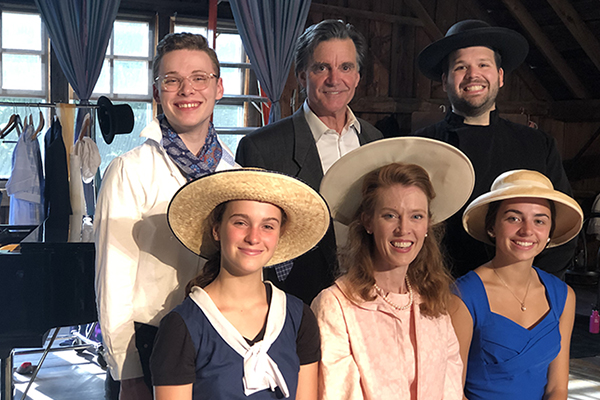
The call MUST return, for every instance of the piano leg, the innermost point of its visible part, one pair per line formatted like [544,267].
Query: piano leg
[7,381]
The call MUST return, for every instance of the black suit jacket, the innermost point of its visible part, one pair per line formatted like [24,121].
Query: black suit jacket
[288,146]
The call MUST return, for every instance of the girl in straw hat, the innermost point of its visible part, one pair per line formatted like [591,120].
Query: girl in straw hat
[385,328]
[514,321]
[236,336]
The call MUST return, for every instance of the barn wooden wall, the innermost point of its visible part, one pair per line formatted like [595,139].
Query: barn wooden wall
[392,86]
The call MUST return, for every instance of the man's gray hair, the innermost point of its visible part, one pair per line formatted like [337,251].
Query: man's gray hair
[326,30]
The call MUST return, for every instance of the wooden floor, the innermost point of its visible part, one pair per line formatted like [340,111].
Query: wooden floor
[584,378]
[67,375]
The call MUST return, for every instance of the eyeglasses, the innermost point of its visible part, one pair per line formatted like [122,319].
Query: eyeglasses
[172,83]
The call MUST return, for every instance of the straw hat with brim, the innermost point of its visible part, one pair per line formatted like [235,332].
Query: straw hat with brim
[450,172]
[512,46]
[524,183]
[306,211]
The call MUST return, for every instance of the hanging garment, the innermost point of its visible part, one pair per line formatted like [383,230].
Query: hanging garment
[57,204]
[26,183]
[89,154]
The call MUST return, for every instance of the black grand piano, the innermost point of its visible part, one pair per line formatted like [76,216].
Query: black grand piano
[48,282]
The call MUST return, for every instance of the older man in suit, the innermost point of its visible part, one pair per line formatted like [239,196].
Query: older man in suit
[329,58]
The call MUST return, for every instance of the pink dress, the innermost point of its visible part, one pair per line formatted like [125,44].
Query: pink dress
[372,351]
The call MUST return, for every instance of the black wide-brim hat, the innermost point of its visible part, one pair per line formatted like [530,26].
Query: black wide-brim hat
[114,119]
[511,45]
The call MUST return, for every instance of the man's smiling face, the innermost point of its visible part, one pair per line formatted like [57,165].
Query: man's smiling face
[188,110]
[473,80]
[331,77]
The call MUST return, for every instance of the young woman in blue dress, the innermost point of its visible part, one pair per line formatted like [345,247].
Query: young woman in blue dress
[514,321]
[235,336]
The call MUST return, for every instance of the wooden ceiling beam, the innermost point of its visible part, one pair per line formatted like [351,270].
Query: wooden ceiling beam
[578,29]
[351,12]
[389,105]
[576,110]
[547,48]
[428,23]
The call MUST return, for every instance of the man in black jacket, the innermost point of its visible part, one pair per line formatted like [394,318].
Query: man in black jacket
[329,58]
[471,61]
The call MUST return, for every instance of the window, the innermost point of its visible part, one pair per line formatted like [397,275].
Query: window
[23,75]
[233,112]
[126,77]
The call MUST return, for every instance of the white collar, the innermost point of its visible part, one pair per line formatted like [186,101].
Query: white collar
[318,127]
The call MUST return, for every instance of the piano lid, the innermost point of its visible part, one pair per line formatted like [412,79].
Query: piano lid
[48,283]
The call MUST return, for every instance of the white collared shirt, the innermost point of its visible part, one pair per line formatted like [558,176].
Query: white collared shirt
[141,267]
[330,144]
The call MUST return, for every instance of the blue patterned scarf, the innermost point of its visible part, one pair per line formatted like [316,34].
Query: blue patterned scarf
[192,166]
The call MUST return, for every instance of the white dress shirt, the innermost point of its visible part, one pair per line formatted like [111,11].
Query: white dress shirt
[141,267]
[330,144]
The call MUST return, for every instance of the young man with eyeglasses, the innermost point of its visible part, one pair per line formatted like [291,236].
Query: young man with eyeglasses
[141,269]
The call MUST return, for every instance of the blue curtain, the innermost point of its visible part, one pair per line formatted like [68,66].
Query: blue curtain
[79,31]
[269,29]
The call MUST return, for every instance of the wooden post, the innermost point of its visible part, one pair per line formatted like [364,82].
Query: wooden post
[212,23]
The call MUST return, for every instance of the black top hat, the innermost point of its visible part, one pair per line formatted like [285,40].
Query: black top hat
[114,120]
[511,45]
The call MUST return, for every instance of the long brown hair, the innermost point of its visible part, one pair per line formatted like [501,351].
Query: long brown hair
[211,269]
[427,273]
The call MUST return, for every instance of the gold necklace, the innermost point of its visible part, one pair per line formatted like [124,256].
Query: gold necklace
[385,298]
[523,308]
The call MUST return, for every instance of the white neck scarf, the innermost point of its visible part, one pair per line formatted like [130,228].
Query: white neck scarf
[260,371]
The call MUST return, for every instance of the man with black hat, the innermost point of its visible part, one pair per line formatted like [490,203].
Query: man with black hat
[471,62]
[141,269]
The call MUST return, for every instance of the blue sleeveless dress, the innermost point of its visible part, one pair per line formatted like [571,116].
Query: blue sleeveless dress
[507,361]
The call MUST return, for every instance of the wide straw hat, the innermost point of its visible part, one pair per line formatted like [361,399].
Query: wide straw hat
[306,211]
[512,46]
[450,172]
[525,183]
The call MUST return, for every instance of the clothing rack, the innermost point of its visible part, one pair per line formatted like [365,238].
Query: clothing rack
[39,105]
[47,105]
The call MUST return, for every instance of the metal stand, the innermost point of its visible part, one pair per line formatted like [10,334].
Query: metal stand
[35,372]
[7,384]
[84,343]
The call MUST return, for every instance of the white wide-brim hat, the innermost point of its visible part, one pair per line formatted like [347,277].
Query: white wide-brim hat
[449,169]
[568,218]
[306,211]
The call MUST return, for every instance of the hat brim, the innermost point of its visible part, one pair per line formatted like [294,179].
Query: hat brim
[568,219]
[511,45]
[450,172]
[306,211]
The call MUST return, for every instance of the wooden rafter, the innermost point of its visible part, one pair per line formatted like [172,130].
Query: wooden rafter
[429,24]
[578,28]
[388,105]
[350,12]
[547,48]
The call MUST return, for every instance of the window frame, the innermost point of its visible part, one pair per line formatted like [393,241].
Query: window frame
[44,55]
[111,57]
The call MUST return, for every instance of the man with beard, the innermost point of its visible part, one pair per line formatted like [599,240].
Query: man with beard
[471,62]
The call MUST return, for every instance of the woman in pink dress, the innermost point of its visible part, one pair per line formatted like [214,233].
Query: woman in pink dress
[385,329]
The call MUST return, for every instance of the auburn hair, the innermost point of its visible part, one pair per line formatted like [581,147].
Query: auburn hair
[427,273]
